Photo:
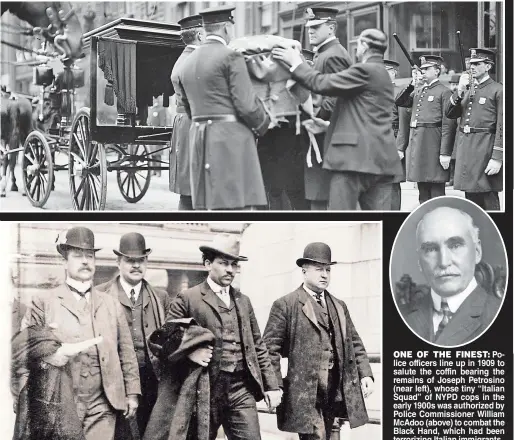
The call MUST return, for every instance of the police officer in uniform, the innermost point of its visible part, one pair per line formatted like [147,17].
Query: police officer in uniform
[454,83]
[479,143]
[329,57]
[226,114]
[432,134]
[193,35]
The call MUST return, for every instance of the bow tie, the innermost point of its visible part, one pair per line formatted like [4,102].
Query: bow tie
[83,294]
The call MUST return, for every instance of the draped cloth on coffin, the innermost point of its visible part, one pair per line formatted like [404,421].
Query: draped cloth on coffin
[117,59]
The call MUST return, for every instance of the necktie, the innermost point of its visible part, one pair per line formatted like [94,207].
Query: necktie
[318,299]
[447,315]
[133,296]
[82,294]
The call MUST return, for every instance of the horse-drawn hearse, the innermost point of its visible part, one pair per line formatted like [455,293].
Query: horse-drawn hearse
[99,120]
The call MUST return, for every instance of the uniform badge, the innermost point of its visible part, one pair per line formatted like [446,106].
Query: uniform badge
[482,100]
[423,60]
[473,53]
[155,114]
[430,98]
[309,14]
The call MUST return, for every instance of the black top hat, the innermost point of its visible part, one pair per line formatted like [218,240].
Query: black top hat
[478,55]
[225,244]
[132,245]
[316,253]
[76,237]
[430,60]
[454,79]
[217,15]
[390,64]
[190,22]
[316,16]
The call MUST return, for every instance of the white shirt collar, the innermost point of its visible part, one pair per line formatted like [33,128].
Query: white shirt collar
[217,38]
[216,288]
[485,78]
[192,46]
[81,286]
[328,40]
[455,301]
[312,293]
[127,288]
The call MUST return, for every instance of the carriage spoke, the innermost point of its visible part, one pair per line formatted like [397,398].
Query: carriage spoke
[80,146]
[78,158]
[81,205]
[93,153]
[124,180]
[78,191]
[38,186]
[27,156]
[138,185]
[95,194]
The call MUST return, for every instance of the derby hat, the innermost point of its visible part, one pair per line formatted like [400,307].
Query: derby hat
[225,244]
[77,237]
[132,245]
[316,253]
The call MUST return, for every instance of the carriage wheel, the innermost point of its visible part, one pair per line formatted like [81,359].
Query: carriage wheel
[134,184]
[37,169]
[87,166]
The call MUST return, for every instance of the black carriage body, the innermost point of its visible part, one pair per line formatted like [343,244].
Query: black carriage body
[157,47]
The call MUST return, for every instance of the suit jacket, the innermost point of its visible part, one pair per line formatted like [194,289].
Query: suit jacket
[225,169]
[474,150]
[118,363]
[330,58]
[360,136]
[150,317]
[293,332]
[179,151]
[426,144]
[471,319]
[200,303]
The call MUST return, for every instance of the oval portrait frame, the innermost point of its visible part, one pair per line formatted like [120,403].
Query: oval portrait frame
[480,217]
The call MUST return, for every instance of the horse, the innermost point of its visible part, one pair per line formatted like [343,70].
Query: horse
[17,123]
[56,21]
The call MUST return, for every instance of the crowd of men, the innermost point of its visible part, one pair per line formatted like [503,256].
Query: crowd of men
[228,155]
[123,360]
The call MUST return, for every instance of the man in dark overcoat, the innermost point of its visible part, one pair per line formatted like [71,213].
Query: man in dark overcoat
[479,144]
[105,377]
[432,134]
[145,308]
[328,368]
[226,116]
[359,146]
[240,369]
[329,57]
[193,35]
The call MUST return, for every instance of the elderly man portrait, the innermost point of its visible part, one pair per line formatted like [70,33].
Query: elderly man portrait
[239,367]
[145,308]
[105,379]
[326,357]
[457,309]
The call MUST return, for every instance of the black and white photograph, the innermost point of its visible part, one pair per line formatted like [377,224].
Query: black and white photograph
[194,330]
[272,105]
[449,271]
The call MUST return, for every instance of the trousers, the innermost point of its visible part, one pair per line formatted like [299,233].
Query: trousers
[488,201]
[430,190]
[233,406]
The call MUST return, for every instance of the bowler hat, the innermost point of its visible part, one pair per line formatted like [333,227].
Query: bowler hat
[76,237]
[316,253]
[132,245]
[225,244]
[455,79]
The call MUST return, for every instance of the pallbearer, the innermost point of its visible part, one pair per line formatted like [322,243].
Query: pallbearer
[192,34]
[479,142]
[329,57]
[432,134]
[226,116]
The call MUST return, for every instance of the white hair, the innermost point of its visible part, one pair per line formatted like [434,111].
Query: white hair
[468,221]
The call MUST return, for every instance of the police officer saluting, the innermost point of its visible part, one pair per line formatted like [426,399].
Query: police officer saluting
[479,144]
[329,57]
[432,134]
[192,34]
[226,115]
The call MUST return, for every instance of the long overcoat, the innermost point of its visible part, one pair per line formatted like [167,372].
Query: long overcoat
[200,303]
[426,144]
[474,150]
[360,136]
[329,58]
[118,363]
[293,332]
[179,151]
[225,168]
